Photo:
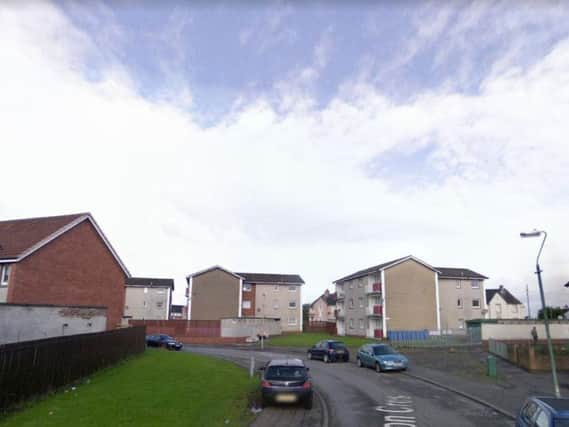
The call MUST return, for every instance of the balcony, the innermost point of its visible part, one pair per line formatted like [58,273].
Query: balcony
[375,310]
[373,288]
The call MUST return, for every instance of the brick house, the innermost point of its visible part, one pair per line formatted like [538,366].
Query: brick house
[216,293]
[323,309]
[61,260]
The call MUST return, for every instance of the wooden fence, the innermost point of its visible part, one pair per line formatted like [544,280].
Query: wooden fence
[325,327]
[181,328]
[36,367]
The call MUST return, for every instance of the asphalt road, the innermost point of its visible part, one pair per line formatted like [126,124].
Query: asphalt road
[360,397]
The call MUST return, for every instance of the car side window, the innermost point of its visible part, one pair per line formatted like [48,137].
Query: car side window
[318,344]
[542,420]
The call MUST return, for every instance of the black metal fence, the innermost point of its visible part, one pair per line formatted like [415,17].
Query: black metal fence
[36,367]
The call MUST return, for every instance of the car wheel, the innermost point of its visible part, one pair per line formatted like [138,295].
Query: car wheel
[309,355]
[377,368]
[326,359]
[308,403]
[360,364]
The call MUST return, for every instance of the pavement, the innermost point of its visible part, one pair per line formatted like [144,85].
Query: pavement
[353,396]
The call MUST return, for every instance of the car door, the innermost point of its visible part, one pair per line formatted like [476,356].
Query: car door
[316,350]
[365,355]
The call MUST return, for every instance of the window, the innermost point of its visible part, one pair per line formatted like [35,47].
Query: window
[361,299]
[292,320]
[276,288]
[292,304]
[4,274]
[458,284]
[276,304]
[159,304]
[360,283]
[475,284]
[292,288]
[476,303]
[459,302]
[514,309]
[351,323]
[460,323]
[352,284]
[246,304]
[145,290]
[361,323]
[351,303]
[246,287]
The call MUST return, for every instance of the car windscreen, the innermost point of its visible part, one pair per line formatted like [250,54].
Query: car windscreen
[337,345]
[383,349]
[285,373]
[166,338]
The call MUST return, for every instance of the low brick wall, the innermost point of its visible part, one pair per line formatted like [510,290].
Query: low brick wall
[181,329]
[324,327]
[211,340]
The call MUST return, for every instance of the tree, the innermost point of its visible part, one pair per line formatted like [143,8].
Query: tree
[552,312]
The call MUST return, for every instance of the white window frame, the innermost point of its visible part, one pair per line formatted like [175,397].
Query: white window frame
[459,303]
[293,306]
[247,287]
[475,284]
[360,283]
[361,300]
[292,320]
[351,304]
[477,307]
[5,274]
[351,324]
[292,288]
[276,304]
[458,284]
[460,323]
[276,288]
[352,284]
[361,321]
[246,304]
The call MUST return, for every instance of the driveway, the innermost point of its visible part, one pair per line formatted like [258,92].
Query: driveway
[357,397]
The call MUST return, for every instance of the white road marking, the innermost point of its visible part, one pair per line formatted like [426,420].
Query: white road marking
[398,412]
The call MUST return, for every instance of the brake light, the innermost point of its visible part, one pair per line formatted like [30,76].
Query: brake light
[265,383]
[307,384]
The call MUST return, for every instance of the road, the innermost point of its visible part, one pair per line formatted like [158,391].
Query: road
[360,397]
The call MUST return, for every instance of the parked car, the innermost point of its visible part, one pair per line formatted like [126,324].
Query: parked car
[381,357]
[329,351]
[165,341]
[544,412]
[286,381]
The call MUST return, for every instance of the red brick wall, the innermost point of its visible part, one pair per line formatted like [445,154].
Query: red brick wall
[249,296]
[74,269]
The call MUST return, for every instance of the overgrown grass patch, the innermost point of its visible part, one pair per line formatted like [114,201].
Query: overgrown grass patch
[156,388]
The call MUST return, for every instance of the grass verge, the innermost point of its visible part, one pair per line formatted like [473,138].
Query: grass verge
[308,339]
[156,388]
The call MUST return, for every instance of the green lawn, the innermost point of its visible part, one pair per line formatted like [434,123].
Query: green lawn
[156,388]
[308,339]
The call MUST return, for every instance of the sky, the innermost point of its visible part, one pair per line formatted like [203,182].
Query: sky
[313,138]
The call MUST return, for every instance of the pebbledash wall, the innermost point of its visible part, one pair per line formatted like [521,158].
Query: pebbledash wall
[249,327]
[77,268]
[521,329]
[27,322]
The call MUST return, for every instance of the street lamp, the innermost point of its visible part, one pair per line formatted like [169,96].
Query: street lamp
[537,233]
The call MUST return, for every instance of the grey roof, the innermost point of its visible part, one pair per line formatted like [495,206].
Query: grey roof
[286,362]
[369,270]
[149,282]
[329,299]
[459,273]
[292,279]
[504,293]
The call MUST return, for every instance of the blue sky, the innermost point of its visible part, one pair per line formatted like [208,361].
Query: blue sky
[313,138]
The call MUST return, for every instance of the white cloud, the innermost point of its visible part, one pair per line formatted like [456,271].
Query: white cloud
[271,192]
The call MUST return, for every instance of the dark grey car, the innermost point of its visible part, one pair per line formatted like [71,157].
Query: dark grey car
[286,381]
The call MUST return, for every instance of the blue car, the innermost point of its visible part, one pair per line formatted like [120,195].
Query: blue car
[381,357]
[544,412]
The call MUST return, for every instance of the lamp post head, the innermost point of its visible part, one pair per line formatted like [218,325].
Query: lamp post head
[534,233]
